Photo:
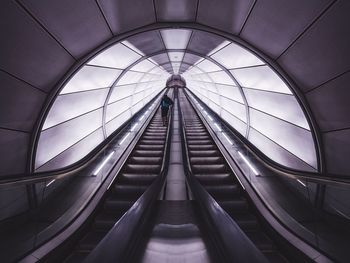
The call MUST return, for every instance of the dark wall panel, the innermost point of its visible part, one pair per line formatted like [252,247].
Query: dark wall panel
[274,24]
[227,15]
[20,103]
[79,25]
[13,152]
[27,51]
[127,15]
[330,103]
[176,10]
[148,42]
[337,151]
[323,51]
[202,42]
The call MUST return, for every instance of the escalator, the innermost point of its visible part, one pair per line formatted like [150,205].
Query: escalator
[210,168]
[139,171]
[176,229]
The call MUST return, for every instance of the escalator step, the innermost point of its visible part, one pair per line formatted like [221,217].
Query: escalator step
[246,221]
[145,160]
[209,168]
[199,147]
[151,142]
[223,192]
[262,241]
[105,221]
[142,153]
[217,178]
[137,179]
[150,147]
[154,138]
[202,142]
[234,206]
[115,206]
[88,242]
[196,130]
[142,168]
[128,191]
[196,133]
[206,160]
[275,257]
[210,153]
[190,138]
[155,133]
[76,257]
[157,129]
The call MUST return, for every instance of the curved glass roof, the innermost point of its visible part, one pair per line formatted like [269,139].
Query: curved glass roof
[232,81]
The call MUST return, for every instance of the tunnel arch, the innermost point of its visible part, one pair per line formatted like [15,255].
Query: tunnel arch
[149,57]
[309,46]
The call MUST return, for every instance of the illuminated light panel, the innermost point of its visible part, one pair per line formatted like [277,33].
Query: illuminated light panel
[176,38]
[300,182]
[125,137]
[210,118]
[227,138]
[50,182]
[248,163]
[133,127]
[217,126]
[103,163]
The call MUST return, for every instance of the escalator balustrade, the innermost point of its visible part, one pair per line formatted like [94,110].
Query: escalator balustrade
[138,173]
[210,168]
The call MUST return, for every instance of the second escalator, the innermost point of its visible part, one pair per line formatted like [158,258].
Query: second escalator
[212,171]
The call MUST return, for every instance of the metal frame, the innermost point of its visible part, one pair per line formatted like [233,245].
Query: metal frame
[192,26]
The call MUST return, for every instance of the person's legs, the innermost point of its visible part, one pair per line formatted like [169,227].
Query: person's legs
[164,116]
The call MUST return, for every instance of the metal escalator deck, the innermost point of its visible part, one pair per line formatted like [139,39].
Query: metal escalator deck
[138,173]
[210,168]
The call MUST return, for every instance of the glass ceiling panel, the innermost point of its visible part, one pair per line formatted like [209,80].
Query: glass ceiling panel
[293,138]
[67,134]
[271,102]
[234,56]
[132,47]
[221,77]
[115,109]
[231,92]
[89,78]
[176,56]
[120,92]
[117,56]
[144,66]
[276,152]
[221,46]
[262,78]
[175,38]
[208,66]
[130,77]
[72,105]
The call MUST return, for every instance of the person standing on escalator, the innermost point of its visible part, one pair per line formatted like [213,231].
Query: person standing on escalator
[165,104]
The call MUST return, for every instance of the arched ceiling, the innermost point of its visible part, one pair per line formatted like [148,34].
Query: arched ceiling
[44,43]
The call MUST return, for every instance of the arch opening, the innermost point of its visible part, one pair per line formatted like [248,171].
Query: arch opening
[236,84]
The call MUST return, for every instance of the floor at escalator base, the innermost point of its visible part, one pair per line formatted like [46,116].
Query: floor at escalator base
[175,237]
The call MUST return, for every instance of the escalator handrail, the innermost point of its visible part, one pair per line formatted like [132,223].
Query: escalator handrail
[116,246]
[70,170]
[279,169]
[235,245]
